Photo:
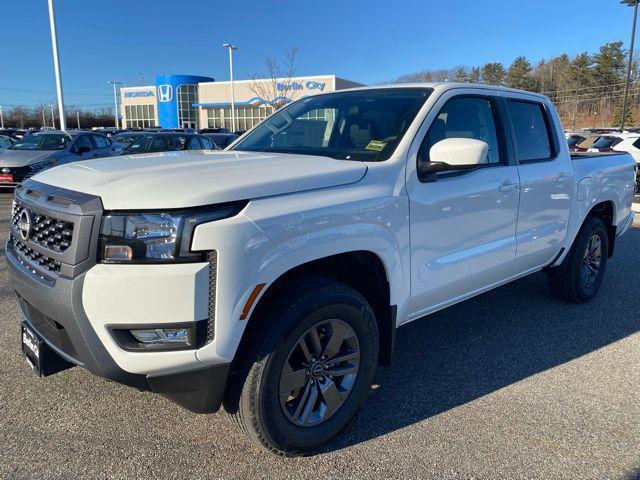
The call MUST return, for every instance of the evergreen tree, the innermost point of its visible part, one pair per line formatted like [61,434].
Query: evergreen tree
[461,75]
[609,64]
[519,74]
[581,71]
[617,114]
[493,73]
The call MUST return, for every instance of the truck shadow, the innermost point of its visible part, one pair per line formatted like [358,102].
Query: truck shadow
[489,342]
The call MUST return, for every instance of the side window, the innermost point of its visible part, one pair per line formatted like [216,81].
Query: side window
[158,145]
[465,117]
[531,130]
[637,143]
[176,143]
[83,141]
[206,143]
[101,142]
[194,144]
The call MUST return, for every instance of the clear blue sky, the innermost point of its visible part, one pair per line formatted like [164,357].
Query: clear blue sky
[370,41]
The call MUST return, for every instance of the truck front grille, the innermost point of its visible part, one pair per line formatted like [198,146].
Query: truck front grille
[48,232]
[213,275]
[54,230]
[40,259]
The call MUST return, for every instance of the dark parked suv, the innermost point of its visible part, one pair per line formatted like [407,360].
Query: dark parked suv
[168,142]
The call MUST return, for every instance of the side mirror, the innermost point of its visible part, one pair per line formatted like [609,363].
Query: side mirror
[83,149]
[454,154]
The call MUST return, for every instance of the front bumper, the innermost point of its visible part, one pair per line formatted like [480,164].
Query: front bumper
[55,311]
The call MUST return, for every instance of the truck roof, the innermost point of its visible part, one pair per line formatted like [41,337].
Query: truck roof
[442,86]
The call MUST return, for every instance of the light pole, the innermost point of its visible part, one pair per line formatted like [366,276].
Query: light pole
[1,118]
[634,4]
[56,65]
[115,99]
[44,120]
[78,118]
[231,48]
[53,119]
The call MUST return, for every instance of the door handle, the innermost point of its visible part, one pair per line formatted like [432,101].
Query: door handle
[508,187]
[562,178]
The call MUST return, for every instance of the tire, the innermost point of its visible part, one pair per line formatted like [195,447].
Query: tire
[570,281]
[292,423]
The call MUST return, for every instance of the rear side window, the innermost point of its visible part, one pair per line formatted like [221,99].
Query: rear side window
[637,143]
[101,142]
[606,142]
[531,130]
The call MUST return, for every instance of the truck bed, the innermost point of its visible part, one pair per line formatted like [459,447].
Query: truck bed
[583,155]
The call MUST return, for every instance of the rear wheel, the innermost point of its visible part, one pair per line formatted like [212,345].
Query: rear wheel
[579,277]
[310,371]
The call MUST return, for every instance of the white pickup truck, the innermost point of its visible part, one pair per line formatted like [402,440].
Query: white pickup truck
[270,277]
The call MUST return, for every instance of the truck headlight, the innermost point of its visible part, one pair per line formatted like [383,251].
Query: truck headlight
[156,237]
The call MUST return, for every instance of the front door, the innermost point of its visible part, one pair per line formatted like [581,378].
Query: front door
[463,224]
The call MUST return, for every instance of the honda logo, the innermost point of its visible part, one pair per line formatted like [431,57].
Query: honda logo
[165,93]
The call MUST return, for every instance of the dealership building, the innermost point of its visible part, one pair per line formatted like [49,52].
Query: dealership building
[190,101]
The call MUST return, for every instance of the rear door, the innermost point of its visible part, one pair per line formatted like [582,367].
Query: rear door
[462,223]
[102,146]
[546,181]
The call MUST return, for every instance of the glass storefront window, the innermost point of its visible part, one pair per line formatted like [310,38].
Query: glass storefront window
[140,116]
[246,117]
[187,113]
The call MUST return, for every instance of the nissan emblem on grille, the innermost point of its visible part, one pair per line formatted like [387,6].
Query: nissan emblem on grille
[24,224]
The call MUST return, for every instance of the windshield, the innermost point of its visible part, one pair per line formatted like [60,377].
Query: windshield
[5,141]
[49,141]
[359,125]
[575,140]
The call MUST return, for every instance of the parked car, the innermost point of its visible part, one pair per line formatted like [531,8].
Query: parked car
[586,143]
[631,144]
[168,142]
[41,150]
[14,132]
[222,140]
[573,141]
[183,130]
[122,140]
[109,131]
[272,276]
[7,140]
[606,143]
[214,130]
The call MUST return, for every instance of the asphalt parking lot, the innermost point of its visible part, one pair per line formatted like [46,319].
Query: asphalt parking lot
[511,384]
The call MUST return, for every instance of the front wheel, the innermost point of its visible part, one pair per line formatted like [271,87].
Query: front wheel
[313,369]
[579,277]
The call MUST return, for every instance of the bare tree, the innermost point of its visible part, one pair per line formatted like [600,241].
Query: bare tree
[276,85]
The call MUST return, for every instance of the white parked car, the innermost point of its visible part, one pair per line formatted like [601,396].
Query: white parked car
[618,142]
[271,277]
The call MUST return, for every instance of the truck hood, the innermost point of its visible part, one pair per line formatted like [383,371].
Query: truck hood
[189,179]
[20,158]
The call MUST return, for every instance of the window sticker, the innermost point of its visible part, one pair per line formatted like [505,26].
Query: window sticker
[376,145]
